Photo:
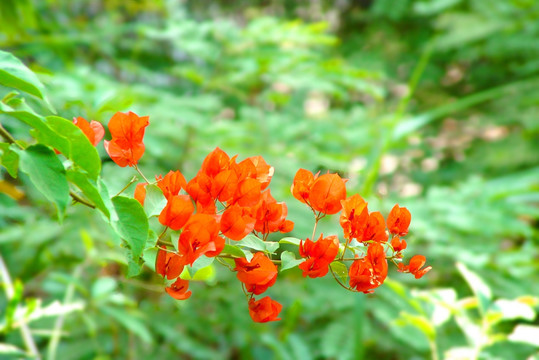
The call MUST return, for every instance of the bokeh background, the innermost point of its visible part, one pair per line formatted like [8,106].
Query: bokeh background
[433,104]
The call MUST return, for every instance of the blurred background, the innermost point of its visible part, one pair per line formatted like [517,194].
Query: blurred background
[433,104]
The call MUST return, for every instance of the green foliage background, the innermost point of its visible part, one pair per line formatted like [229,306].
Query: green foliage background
[433,104]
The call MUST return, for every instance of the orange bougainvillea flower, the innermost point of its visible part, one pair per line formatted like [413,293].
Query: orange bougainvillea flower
[302,185]
[264,310]
[416,263]
[237,222]
[271,215]
[178,289]
[264,172]
[368,273]
[319,255]
[224,185]
[199,188]
[215,162]
[200,236]
[398,220]
[93,130]
[398,244]
[354,217]
[248,193]
[168,264]
[258,274]
[327,193]
[177,211]
[172,183]
[127,130]
[375,229]
[140,193]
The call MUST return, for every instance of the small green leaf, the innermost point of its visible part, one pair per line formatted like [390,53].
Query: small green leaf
[290,240]
[340,270]
[132,224]
[155,201]
[9,159]
[255,243]
[47,173]
[233,250]
[14,74]
[288,260]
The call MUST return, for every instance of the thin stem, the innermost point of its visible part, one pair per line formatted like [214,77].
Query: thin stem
[352,259]
[339,281]
[133,180]
[57,332]
[10,292]
[78,199]
[344,251]
[159,238]
[9,138]
[141,174]
[316,219]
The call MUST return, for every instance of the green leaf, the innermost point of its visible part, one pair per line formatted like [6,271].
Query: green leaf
[72,143]
[17,108]
[89,189]
[288,260]
[14,74]
[255,243]
[340,270]
[290,240]
[9,159]
[478,286]
[132,224]
[13,303]
[233,250]
[47,173]
[155,201]
[418,321]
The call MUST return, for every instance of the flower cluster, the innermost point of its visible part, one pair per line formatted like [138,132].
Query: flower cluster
[364,232]
[229,200]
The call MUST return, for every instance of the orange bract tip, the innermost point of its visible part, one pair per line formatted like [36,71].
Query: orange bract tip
[178,289]
[93,130]
[398,220]
[127,130]
[327,193]
[264,310]
[177,211]
[258,274]
[140,193]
